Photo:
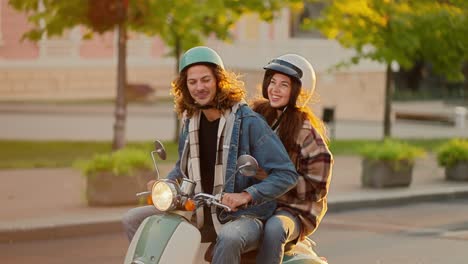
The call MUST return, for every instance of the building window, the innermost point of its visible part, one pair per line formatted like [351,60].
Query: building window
[58,47]
[138,45]
[309,11]
[64,46]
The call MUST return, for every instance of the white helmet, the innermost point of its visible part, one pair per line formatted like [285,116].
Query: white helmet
[300,71]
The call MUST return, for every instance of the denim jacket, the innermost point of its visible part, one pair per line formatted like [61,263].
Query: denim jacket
[250,135]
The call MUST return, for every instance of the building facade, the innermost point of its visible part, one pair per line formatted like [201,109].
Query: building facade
[70,68]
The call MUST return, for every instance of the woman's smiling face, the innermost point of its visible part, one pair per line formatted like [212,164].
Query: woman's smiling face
[279,90]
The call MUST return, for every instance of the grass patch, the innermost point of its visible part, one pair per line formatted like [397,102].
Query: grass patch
[56,154]
[86,102]
[353,147]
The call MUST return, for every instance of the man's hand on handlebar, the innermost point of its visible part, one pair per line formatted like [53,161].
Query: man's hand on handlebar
[234,200]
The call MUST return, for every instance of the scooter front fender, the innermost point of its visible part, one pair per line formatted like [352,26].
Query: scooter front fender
[303,253]
[167,238]
[302,259]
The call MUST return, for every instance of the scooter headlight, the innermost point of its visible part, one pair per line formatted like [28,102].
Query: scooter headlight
[164,195]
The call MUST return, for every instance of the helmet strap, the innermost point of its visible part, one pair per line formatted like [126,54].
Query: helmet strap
[275,126]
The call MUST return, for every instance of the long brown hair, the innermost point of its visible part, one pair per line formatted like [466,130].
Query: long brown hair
[229,90]
[292,120]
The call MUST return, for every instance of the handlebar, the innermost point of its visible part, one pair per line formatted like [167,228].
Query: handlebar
[225,207]
[140,194]
[212,200]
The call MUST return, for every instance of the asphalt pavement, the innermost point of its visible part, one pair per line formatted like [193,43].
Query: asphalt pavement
[149,121]
[49,203]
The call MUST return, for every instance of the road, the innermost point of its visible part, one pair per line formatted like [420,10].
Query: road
[425,233]
[84,126]
[98,126]
[148,122]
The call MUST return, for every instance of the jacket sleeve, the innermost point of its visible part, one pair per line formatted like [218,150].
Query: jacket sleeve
[315,165]
[175,173]
[272,157]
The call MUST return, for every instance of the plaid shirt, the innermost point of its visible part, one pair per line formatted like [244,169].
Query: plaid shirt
[314,163]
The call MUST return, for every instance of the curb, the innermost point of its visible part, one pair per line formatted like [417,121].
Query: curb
[339,204]
[60,231]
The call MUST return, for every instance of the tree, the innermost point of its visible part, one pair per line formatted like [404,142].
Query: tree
[398,32]
[51,18]
[188,23]
[180,23]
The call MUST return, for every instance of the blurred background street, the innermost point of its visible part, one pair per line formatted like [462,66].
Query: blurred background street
[380,236]
[71,70]
[42,121]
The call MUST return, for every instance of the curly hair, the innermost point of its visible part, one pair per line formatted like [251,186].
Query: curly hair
[229,91]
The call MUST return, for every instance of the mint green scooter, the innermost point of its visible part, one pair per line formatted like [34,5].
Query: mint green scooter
[172,238]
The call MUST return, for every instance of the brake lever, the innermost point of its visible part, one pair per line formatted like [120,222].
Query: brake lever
[140,194]
[225,207]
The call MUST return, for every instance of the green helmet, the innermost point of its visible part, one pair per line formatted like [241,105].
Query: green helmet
[200,54]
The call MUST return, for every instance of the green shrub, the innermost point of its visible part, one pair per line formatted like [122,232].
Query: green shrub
[452,152]
[122,162]
[391,150]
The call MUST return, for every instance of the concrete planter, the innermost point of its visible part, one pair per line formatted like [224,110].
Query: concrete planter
[106,189]
[383,174]
[457,172]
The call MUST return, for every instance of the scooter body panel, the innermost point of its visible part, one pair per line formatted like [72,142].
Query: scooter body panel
[303,253]
[302,259]
[164,238]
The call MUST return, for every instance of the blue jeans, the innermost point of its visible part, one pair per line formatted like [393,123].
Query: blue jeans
[281,228]
[237,237]
[234,238]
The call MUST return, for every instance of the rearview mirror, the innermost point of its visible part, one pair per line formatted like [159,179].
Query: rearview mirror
[247,165]
[159,148]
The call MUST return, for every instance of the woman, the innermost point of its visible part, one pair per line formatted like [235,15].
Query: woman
[288,85]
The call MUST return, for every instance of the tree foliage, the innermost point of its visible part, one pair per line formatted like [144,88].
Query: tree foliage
[399,31]
[193,20]
[402,31]
[181,24]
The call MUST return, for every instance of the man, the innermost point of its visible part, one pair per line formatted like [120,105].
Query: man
[218,128]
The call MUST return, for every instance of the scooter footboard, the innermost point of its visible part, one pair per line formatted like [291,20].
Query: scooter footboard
[164,239]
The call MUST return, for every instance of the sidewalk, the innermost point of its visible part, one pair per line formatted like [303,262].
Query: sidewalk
[49,203]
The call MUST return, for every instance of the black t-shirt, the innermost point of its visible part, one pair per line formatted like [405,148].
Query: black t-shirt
[207,135]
